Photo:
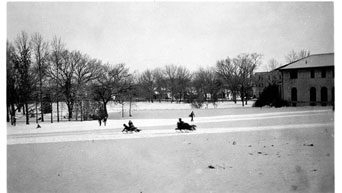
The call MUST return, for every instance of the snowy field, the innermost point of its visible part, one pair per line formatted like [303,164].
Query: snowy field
[115,109]
[234,149]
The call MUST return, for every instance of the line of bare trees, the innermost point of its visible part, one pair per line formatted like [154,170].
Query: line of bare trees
[41,73]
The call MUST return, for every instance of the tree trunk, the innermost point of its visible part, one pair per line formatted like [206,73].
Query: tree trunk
[122,110]
[18,107]
[12,112]
[81,105]
[234,97]
[76,111]
[51,110]
[57,96]
[171,96]
[36,112]
[242,98]
[70,108]
[130,107]
[105,107]
[27,114]
[41,100]
[57,110]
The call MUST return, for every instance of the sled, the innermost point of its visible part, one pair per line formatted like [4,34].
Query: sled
[130,129]
[186,127]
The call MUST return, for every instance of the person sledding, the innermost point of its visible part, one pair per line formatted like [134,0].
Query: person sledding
[130,128]
[181,125]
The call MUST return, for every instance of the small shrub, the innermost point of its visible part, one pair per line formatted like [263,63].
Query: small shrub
[270,96]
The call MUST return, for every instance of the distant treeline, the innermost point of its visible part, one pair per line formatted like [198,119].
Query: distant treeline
[43,72]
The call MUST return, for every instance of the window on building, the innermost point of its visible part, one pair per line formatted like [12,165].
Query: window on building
[324,96]
[324,73]
[312,96]
[294,96]
[293,74]
[312,73]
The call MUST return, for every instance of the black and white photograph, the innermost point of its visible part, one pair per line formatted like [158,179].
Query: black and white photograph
[169,97]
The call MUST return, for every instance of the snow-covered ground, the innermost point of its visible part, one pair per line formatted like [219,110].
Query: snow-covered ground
[234,149]
[136,107]
[168,105]
[156,126]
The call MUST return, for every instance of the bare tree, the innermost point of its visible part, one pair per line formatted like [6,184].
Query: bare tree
[205,82]
[170,74]
[67,81]
[227,71]
[147,84]
[271,65]
[183,79]
[126,93]
[56,58]
[160,83]
[238,72]
[294,56]
[303,53]
[40,51]
[65,77]
[85,71]
[11,83]
[109,84]
[24,69]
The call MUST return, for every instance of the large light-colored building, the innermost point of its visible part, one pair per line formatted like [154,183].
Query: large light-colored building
[309,81]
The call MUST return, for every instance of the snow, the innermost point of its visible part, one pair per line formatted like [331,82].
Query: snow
[153,127]
[136,106]
[234,149]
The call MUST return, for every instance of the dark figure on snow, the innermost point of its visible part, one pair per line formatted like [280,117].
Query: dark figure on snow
[192,114]
[14,121]
[185,126]
[126,128]
[130,124]
[180,123]
[105,120]
[38,126]
[100,121]
[130,127]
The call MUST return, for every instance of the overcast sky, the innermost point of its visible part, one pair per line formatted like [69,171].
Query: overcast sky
[150,34]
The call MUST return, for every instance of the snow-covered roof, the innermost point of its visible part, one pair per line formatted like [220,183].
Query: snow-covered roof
[312,61]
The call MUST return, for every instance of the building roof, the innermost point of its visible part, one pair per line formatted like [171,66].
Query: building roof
[312,61]
[261,73]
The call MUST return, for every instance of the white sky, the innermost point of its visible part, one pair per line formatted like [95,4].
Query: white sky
[150,34]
